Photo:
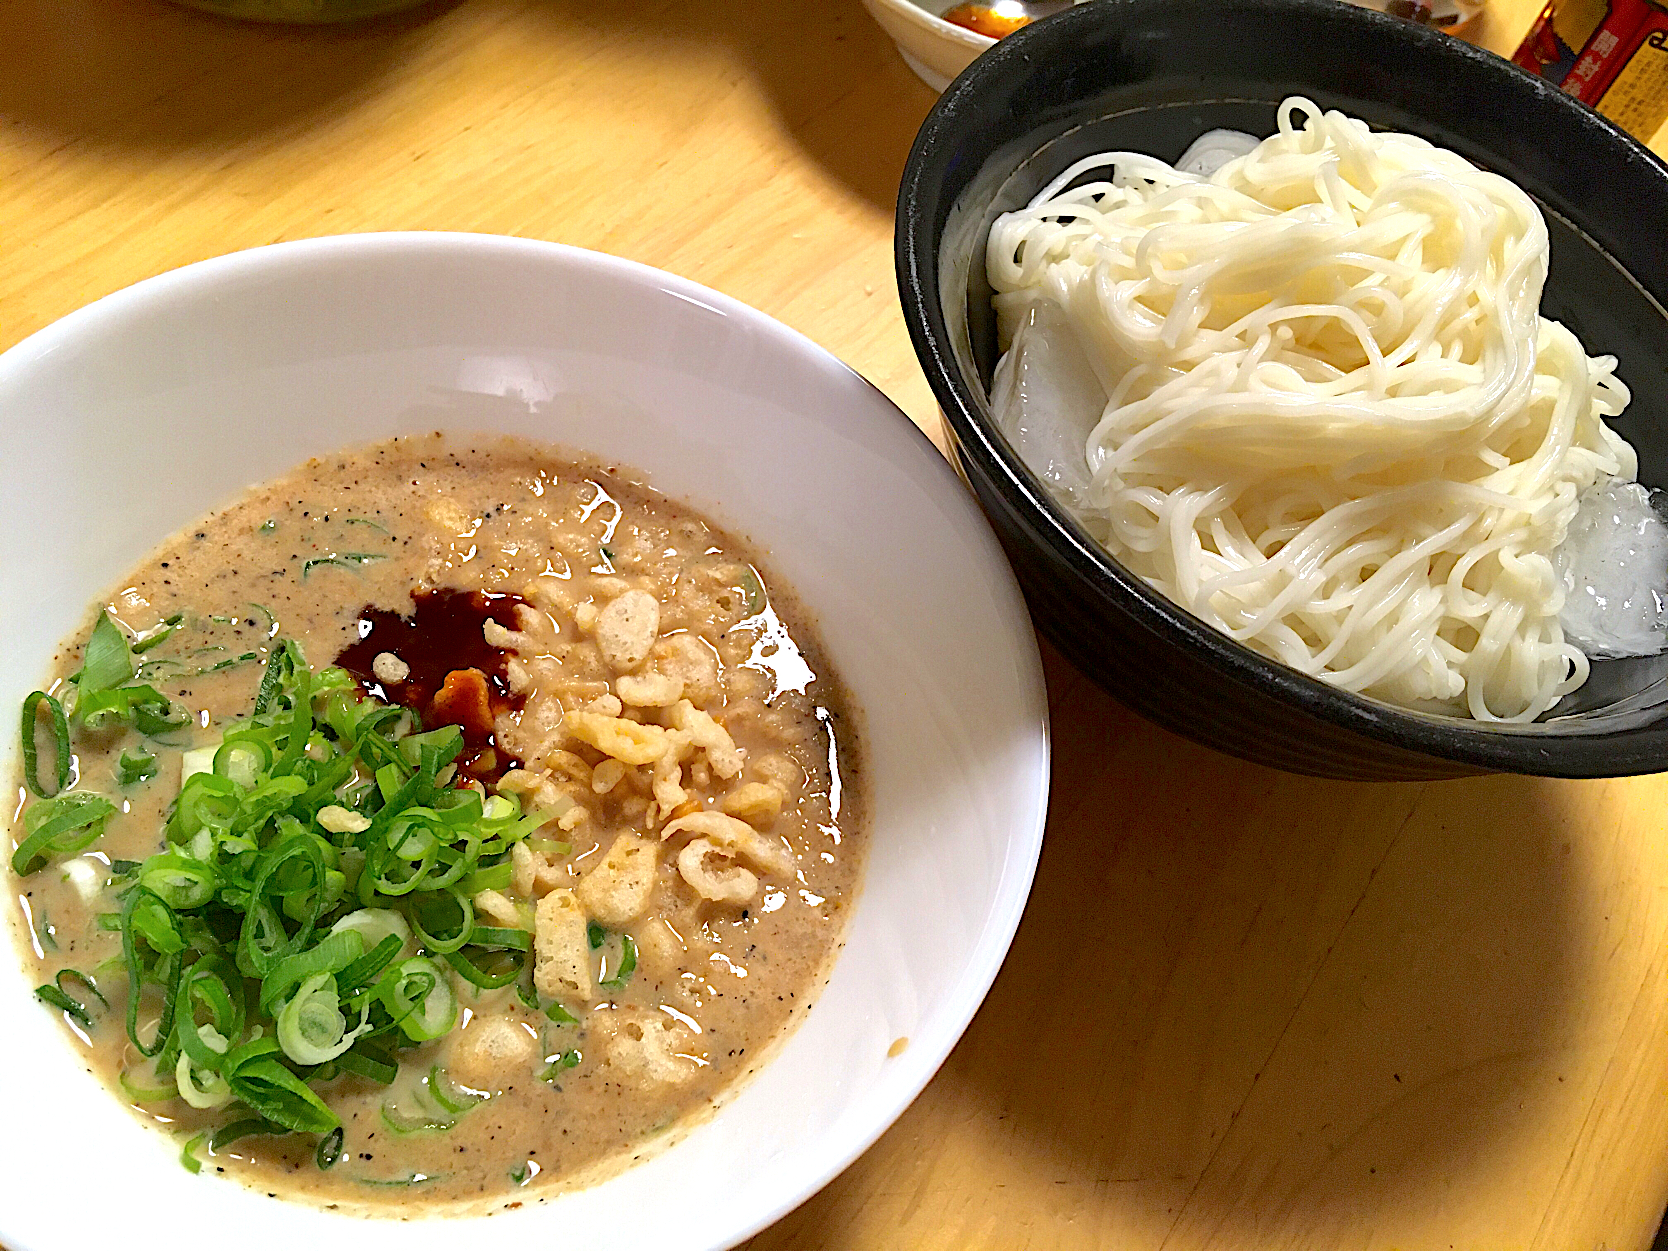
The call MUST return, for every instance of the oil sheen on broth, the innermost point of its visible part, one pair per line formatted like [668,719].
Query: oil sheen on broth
[616,666]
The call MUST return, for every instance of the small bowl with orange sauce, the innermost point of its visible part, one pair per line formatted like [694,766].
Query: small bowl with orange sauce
[939,38]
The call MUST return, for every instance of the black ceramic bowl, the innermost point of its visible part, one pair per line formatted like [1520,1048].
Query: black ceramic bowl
[1151,76]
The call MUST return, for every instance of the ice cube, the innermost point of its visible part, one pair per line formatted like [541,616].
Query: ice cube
[1614,564]
[1047,400]
[1214,149]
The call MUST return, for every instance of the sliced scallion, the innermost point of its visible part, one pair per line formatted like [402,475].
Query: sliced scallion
[417,994]
[558,1064]
[505,967]
[627,966]
[107,660]
[227,1134]
[363,1064]
[144,707]
[46,934]
[54,997]
[142,1083]
[147,639]
[316,860]
[343,560]
[134,767]
[557,1013]
[188,1153]
[59,826]
[311,1026]
[449,1095]
[60,741]
[329,1149]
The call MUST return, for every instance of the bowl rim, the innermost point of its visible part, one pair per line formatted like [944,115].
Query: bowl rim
[918,15]
[1482,745]
[836,1148]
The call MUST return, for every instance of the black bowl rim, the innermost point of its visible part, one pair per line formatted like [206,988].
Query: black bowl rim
[1493,746]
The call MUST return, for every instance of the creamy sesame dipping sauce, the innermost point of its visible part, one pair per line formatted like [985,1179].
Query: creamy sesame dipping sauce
[442,824]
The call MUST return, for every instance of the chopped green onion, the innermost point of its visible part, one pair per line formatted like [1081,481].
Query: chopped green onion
[179,881]
[316,882]
[329,1149]
[188,1153]
[413,1179]
[362,1064]
[231,662]
[226,1135]
[147,918]
[418,996]
[146,1087]
[46,934]
[435,1103]
[144,707]
[82,980]
[55,997]
[280,668]
[335,952]
[135,767]
[147,639]
[452,918]
[560,1063]
[556,1012]
[374,925]
[752,586]
[365,521]
[509,964]
[268,526]
[403,1120]
[278,1094]
[493,877]
[449,1095]
[628,963]
[596,935]
[311,1027]
[344,560]
[61,745]
[368,967]
[213,1091]
[59,826]
[107,661]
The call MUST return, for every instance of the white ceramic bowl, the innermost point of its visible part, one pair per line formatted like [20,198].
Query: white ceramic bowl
[935,49]
[136,414]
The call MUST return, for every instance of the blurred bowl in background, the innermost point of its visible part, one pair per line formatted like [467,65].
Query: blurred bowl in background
[935,49]
[938,49]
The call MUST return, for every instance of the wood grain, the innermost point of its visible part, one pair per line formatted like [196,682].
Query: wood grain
[1244,1010]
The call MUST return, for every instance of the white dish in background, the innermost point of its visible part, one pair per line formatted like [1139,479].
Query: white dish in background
[131,417]
[935,49]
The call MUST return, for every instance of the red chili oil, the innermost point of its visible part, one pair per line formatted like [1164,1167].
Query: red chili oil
[441,640]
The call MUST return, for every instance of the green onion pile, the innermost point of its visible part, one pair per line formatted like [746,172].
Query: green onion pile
[311,899]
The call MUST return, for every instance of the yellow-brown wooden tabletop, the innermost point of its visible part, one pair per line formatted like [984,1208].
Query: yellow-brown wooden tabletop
[1244,1010]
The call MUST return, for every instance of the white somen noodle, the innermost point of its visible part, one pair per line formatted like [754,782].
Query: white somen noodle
[1335,425]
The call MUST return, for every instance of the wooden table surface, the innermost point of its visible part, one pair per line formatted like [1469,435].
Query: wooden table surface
[1244,1010]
